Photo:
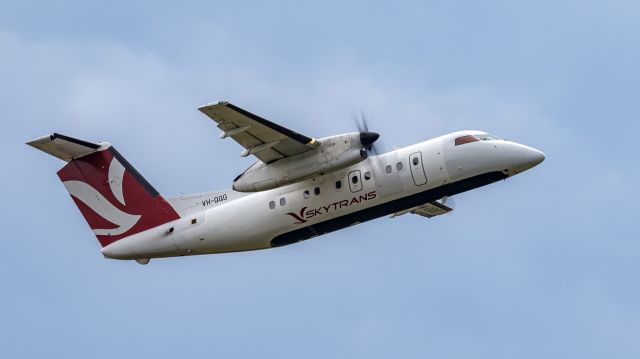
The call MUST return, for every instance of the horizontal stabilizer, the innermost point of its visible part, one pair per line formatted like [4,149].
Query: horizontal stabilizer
[64,147]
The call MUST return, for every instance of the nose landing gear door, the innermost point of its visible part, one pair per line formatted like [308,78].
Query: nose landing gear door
[417,169]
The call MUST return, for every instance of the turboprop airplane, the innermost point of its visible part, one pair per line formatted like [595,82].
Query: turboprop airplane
[299,188]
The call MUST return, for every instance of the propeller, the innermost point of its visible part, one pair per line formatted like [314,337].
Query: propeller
[367,138]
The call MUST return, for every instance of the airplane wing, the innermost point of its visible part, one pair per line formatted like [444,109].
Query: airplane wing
[430,209]
[262,138]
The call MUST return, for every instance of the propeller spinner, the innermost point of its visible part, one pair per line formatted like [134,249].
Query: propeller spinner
[367,138]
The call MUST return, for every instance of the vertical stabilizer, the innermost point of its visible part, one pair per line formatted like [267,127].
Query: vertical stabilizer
[115,200]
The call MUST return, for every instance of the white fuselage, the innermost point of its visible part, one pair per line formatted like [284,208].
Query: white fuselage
[380,185]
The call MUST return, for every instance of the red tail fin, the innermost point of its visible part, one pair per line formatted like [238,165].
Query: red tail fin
[113,197]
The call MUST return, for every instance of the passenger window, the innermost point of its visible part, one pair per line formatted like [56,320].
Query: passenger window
[272,205]
[283,201]
[305,194]
[399,166]
[367,175]
[354,179]
[338,184]
[388,169]
[416,161]
[316,191]
[465,139]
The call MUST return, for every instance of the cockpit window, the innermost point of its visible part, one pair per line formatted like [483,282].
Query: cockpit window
[465,139]
[487,137]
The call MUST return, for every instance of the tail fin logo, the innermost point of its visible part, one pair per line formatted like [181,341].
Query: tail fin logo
[113,197]
[101,205]
[116,174]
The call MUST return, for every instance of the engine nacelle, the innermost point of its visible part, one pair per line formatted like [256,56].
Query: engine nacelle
[334,153]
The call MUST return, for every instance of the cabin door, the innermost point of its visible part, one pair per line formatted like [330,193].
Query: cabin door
[417,169]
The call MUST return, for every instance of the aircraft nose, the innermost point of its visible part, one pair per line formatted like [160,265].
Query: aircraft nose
[524,157]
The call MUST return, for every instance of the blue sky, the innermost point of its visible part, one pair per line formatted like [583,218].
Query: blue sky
[541,265]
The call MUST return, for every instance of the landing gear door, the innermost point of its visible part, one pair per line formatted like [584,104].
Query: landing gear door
[355,181]
[417,169]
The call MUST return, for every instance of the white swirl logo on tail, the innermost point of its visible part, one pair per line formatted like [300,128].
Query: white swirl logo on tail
[116,174]
[99,204]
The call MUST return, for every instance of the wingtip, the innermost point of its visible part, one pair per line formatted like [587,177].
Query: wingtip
[214,103]
[33,142]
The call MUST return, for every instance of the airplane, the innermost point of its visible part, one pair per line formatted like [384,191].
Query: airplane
[298,188]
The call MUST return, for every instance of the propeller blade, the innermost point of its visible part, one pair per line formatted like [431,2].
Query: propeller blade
[365,125]
[361,122]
